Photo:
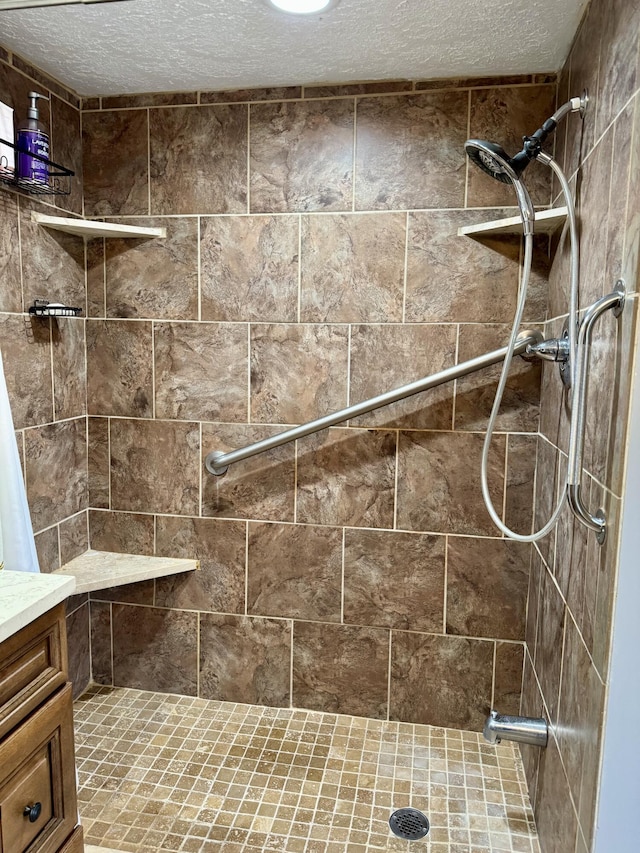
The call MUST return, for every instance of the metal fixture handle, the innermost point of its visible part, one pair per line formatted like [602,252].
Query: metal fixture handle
[33,812]
[218,463]
[614,300]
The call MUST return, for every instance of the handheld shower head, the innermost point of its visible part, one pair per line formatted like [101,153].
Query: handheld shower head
[494,161]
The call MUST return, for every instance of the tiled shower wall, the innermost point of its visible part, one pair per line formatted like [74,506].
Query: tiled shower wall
[311,261]
[44,361]
[572,578]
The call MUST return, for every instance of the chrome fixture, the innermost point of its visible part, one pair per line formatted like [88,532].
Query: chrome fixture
[613,301]
[531,730]
[495,162]
[218,462]
[554,349]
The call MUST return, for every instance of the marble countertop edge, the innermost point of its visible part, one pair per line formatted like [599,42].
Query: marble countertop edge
[24,596]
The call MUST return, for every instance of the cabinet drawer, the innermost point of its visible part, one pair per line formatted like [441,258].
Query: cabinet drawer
[38,808]
[33,664]
[75,843]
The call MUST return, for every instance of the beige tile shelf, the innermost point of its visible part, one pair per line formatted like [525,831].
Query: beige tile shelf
[88,228]
[546,222]
[95,570]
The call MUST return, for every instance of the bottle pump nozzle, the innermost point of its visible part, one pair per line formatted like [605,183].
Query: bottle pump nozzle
[34,97]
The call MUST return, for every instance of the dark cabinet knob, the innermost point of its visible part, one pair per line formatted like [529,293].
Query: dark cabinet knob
[32,812]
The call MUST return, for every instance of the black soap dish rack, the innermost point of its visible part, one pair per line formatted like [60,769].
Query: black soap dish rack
[43,308]
[59,182]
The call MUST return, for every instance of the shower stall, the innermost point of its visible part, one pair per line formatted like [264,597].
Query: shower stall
[359,612]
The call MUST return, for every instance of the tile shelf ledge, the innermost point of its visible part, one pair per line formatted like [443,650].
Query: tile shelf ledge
[546,222]
[96,570]
[90,228]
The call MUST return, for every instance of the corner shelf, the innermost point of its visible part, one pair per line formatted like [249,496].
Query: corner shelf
[96,570]
[546,222]
[89,228]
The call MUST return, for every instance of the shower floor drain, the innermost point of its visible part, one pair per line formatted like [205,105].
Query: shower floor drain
[409,823]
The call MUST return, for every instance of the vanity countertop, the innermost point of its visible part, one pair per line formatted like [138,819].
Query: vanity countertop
[26,595]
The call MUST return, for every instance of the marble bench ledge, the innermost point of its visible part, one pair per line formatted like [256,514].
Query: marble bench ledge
[96,570]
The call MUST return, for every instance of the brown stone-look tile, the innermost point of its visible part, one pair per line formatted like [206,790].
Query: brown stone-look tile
[140,592]
[150,99]
[155,649]
[220,547]
[439,482]
[410,151]
[602,611]
[346,477]
[459,279]
[273,93]
[301,156]
[154,466]
[555,401]
[579,721]
[475,393]
[198,159]
[154,278]
[440,681]
[91,103]
[115,163]
[402,354]
[473,82]
[52,262]
[79,647]
[74,537]
[352,268]
[503,115]
[98,462]
[381,87]
[394,580]
[508,678]
[56,471]
[294,571]
[593,187]
[533,603]
[26,356]
[75,601]
[547,474]
[549,642]
[341,669]
[245,659]
[10,284]
[620,178]
[69,368]
[556,819]
[262,487]
[96,293]
[119,368]
[520,481]
[101,666]
[121,532]
[48,550]
[298,372]
[250,268]
[66,149]
[201,371]
[487,584]
[618,75]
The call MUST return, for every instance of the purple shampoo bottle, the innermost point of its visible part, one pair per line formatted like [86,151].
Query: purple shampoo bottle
[33,139]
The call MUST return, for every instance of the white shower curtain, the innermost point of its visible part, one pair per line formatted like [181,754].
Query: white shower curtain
[17,546]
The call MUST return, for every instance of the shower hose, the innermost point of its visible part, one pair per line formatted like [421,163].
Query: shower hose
[504,375]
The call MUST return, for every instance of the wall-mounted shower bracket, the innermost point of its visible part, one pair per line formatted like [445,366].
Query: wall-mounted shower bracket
[614,302]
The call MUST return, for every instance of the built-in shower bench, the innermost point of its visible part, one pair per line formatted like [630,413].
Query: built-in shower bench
[96,570]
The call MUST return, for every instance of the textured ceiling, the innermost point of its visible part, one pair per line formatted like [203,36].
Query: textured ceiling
[174,45]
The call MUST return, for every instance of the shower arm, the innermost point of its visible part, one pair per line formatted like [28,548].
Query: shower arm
[217,462]
[612,301]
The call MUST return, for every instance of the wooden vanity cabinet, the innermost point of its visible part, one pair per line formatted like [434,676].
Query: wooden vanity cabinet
[38,807]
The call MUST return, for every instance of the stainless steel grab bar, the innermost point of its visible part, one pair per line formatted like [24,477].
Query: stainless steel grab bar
[597,522]
[218,462]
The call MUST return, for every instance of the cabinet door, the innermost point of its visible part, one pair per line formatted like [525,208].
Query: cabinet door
[38,808]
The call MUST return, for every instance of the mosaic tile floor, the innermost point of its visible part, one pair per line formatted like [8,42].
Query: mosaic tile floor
[167,773]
